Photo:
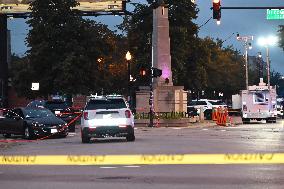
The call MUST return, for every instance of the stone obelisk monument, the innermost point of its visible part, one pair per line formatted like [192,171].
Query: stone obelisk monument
[167,98]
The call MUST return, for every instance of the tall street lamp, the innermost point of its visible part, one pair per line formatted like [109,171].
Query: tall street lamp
[128,58]
[266,42]
[246,41]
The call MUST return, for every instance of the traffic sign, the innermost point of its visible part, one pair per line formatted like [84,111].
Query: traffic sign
[275,14]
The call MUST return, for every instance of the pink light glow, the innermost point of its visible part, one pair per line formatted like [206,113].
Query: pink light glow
[166,72]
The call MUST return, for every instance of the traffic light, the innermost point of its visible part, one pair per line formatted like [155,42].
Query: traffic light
[217,9]
[143,72]
[157,72]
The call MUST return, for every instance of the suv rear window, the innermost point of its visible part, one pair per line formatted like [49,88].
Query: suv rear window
[217,103]
[53,105]
[105,104]
[201,103]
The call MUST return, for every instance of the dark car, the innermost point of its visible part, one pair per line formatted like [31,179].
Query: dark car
[32,123]
[59,108]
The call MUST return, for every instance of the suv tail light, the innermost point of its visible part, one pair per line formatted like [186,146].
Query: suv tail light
[127,113]
[85,116]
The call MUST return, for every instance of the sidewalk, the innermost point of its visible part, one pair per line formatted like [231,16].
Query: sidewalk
[236,120]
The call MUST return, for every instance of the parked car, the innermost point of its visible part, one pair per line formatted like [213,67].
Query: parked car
[198,104]
[206,105]
[107,116]
[217,104]
[59,108]
[32,123]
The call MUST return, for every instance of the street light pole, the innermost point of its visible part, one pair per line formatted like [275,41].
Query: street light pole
[247,45]
[266,42]
[128,74]
[128,58]
[268,66]
[246,65]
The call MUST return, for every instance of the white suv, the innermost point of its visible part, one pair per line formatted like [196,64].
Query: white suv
[107,116]
[217,104]
[206,104]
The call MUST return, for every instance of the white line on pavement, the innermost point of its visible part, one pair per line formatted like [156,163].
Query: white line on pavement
[131,166]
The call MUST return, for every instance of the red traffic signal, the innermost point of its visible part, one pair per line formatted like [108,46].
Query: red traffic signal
[217,9]
[143,72]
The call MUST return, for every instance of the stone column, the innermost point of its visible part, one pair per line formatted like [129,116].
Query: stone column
[161,46]
[167,98]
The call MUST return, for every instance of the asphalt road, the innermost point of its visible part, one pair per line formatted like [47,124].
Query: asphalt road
[252,138]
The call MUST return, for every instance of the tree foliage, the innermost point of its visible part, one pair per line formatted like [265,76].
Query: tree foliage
[64,49]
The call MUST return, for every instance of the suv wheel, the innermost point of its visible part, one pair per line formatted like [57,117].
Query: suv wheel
[130,137]
[85,139]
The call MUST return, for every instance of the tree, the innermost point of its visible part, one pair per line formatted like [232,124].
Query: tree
[214,69]
[64,48]
[49,39]
[21,75]
[183,34]
[138,31]
[277,80]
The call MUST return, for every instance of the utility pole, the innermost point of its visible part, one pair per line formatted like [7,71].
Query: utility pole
[151,116]
[259,65]
[3,60]
[155,72]
[247,45]
[268,66]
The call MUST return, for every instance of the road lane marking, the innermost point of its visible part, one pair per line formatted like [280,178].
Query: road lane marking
[144,159]
[108,167]
[132,166]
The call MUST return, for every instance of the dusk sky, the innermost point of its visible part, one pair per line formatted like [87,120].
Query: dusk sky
[244,22]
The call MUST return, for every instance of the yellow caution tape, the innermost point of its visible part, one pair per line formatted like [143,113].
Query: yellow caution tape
[160,159]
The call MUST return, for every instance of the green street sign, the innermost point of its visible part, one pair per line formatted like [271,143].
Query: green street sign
[275,14]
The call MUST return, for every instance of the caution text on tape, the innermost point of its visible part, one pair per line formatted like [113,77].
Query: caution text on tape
[157,159]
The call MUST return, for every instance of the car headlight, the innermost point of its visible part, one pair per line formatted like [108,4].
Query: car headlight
[37,124]
[63,125]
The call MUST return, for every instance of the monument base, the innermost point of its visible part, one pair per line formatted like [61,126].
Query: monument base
[166,99]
